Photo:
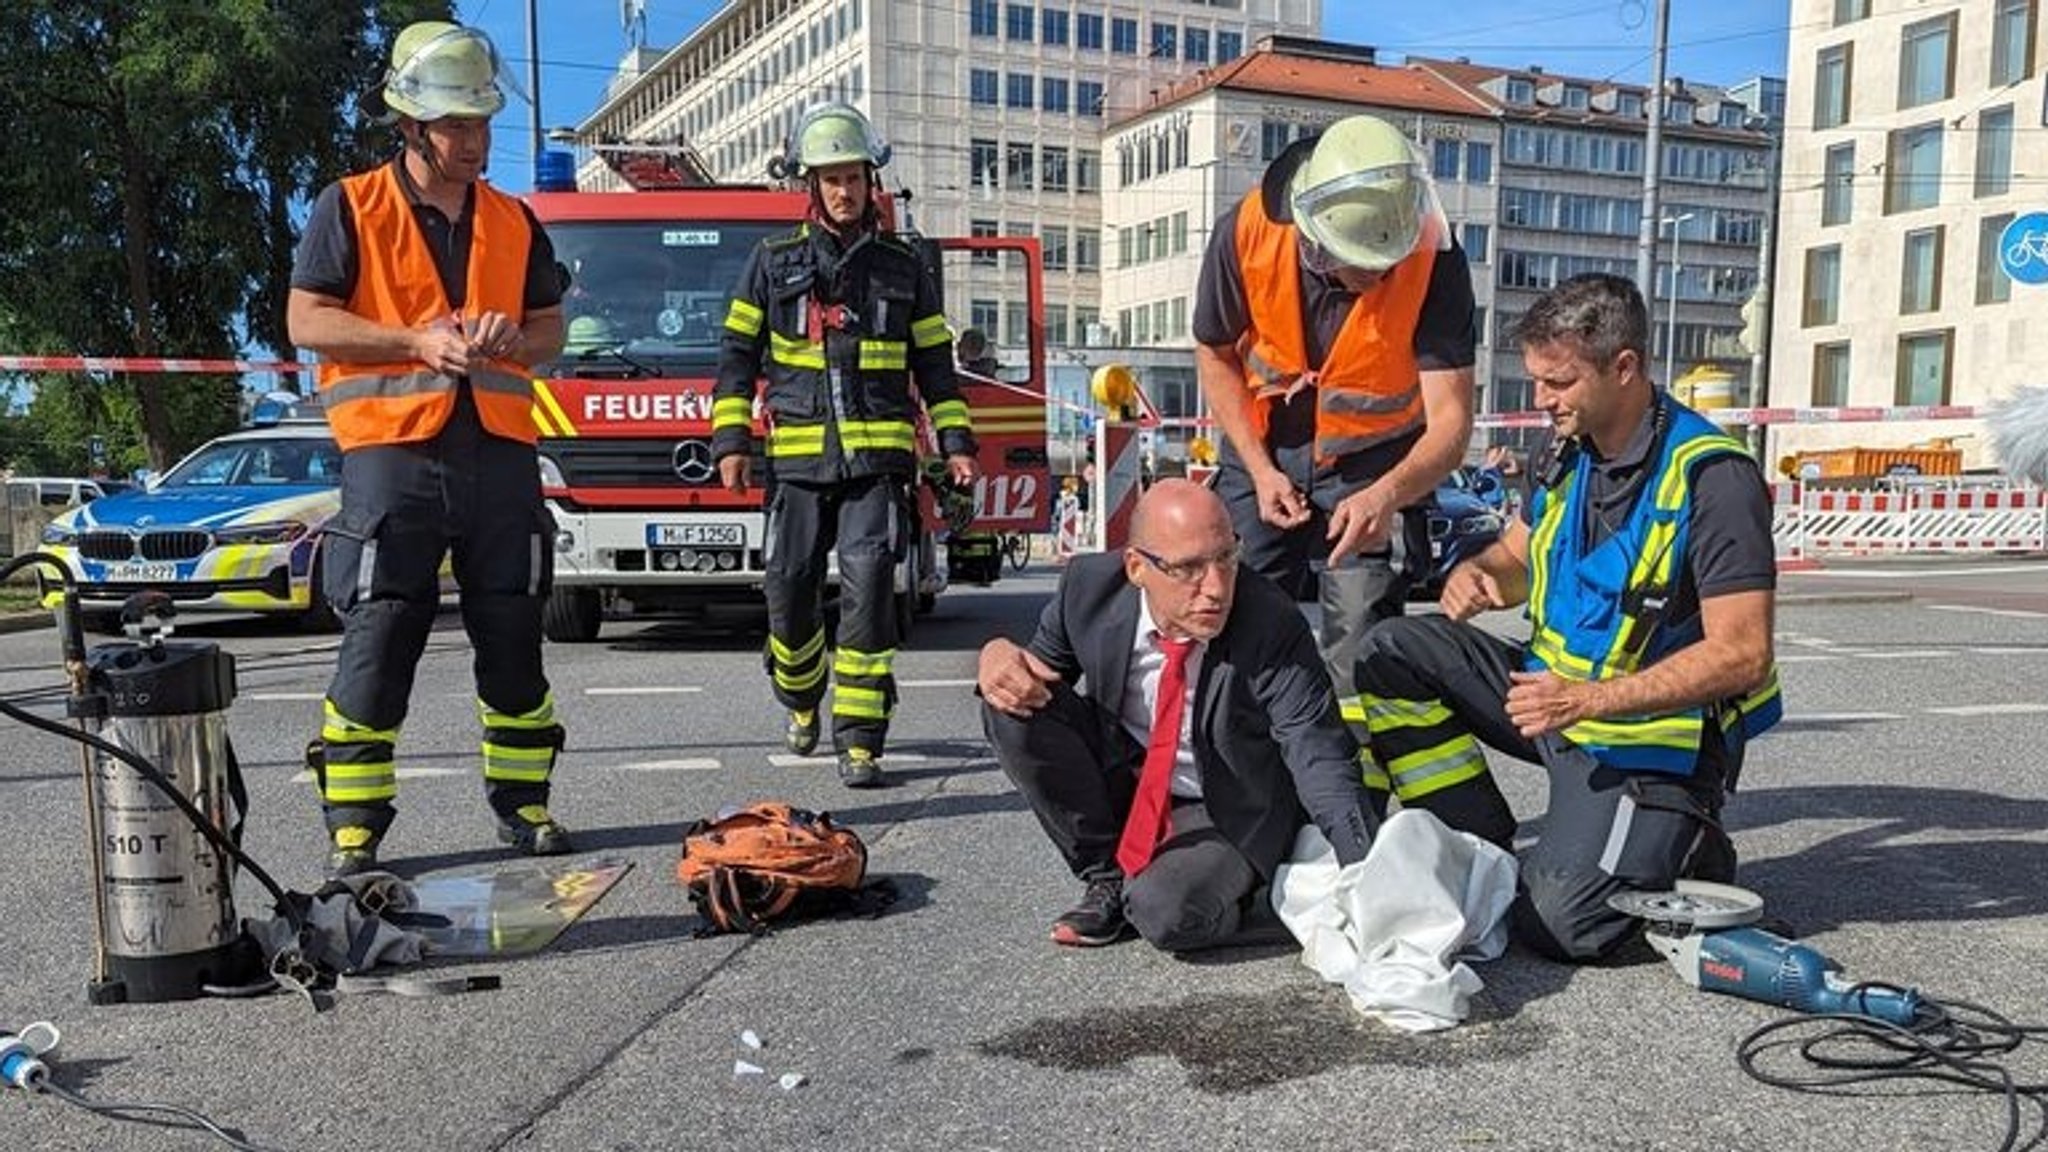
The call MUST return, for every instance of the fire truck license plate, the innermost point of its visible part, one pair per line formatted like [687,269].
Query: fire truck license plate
[140,573]
[696,535]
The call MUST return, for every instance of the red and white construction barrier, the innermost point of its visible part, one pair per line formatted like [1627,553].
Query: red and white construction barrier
[1943,519]
[1068,534]
[1118,482]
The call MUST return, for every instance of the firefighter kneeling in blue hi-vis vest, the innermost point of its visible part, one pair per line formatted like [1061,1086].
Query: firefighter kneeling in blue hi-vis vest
[839,315]
[1648,576]
[426,293]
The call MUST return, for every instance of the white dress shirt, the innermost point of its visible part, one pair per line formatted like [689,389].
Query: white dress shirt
[1141,696]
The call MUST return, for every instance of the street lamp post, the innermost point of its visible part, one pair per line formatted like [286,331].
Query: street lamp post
[1671,324]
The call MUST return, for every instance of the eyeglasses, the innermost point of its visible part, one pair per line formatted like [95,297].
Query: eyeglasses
[1190,572]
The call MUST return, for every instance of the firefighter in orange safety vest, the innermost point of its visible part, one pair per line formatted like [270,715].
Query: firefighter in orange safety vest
[839,316]
[1334,330]
[426,293]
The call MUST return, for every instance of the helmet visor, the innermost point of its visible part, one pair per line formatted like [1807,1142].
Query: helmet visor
[456,73]
[1369,220]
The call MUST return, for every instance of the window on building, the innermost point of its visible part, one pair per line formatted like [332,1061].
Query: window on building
[1017,323]
[1177,319]
[1086,316]
[1576,97]
[1088,31]
[1926,61]
[1628,104]
[1521,90]
[1994,151]
[982,86]
[1087,170]
[1017,91]
[1831,375]
[983,16]
[983,314]
[1018,26]
[1831,86]
[1126,248]
[2012,41]
[1165,41]
[1123,36]
[1823,286]
[1924,367]
[1087,250]
[1053,94]
[984,228]
[1056,326]
[1274,137]
[1477,240]
[1678,111]
[1229,46]
[1052,26]
[1141,325]
[1053,244]
[1160,332]
[1180,233]
[1479,162]
[1052,168]
[1088,98]
[1838,184]
[1195,45]
[982,159]
[1920,272]
[1019,162]
[1479,326]
[1849,11]
[1913,168]
[1993,285]
[1160,239]
[1443,158]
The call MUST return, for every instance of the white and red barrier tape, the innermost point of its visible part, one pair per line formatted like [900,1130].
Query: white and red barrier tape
[144,364]
[1752,416]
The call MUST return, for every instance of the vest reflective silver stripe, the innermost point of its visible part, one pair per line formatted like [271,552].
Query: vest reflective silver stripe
[486,379]
[883,355]
[1333,400]
[1345,445]
[806,441]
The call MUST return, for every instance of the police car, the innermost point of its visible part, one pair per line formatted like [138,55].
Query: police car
[234,527]
[1465,513]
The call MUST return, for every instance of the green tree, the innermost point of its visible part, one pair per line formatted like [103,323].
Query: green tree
[157,154]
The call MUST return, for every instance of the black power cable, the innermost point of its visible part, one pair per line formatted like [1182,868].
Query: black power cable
[1952,1044]
[154,1115]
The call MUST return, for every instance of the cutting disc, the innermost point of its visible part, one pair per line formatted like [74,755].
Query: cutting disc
[1692,904]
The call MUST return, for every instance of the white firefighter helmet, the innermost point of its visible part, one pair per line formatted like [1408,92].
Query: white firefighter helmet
[833,133]
[437,70]
[1363,198]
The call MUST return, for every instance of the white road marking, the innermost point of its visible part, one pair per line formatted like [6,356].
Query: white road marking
[2010,650]
[969,683]
[1990,710]
[889,760]
[1841,717]
[403,774]
[1811,658]
[293,697]
[644,690]
[685,764]
[1908,654]
[2020,613]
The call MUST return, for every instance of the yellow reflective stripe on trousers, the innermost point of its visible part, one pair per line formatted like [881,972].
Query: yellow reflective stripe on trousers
[339,729]
[861,703]
[1437,767]
[1372,774]
[847,662]
[540,717]
[521,765]
[731,412]
[947,414]
[358,783]
[744,318]
[1384,714]
[806,651]
[931,331]
[796,353]
[884,355]
[801,679]
[798,441]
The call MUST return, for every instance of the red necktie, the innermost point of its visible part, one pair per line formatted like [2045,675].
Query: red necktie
[1151,819]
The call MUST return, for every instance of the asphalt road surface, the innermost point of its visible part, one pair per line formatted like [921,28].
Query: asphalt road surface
[1898,821]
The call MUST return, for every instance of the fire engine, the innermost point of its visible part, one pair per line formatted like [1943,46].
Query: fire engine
[643,526]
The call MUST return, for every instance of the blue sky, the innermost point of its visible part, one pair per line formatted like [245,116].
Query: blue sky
[1712,41]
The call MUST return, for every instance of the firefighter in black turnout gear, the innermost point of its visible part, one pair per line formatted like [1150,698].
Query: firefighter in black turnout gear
[838,315]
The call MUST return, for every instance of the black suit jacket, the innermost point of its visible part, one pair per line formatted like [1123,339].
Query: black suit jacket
[1268,738]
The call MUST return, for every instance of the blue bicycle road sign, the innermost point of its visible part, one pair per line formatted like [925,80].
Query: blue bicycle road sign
[2023,248]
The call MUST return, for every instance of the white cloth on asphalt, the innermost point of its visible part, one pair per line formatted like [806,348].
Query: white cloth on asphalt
[1396,928]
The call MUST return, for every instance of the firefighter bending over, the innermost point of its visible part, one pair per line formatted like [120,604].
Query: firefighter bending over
[427,293]
[838,315]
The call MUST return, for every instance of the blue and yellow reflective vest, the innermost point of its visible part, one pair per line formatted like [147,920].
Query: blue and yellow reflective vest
[1599,613]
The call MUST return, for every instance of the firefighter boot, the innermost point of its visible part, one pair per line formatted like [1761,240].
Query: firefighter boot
[802,734]
[531,830]
[859,768]
[519,760]
[355,829]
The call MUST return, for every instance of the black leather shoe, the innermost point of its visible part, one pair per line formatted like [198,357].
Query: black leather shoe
[1097,920]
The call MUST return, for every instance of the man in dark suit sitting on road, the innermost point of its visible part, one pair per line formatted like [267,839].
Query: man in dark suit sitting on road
[1173,807]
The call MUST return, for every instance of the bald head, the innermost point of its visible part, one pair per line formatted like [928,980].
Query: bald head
[1178,510]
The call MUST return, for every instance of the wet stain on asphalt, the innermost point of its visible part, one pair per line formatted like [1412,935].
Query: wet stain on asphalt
[1236,1044]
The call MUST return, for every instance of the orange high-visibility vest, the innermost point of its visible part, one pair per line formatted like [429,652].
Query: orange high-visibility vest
[403,401]
[1368,389]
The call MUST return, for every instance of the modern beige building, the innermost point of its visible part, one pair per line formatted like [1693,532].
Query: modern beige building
[1914,134]
[995,109]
